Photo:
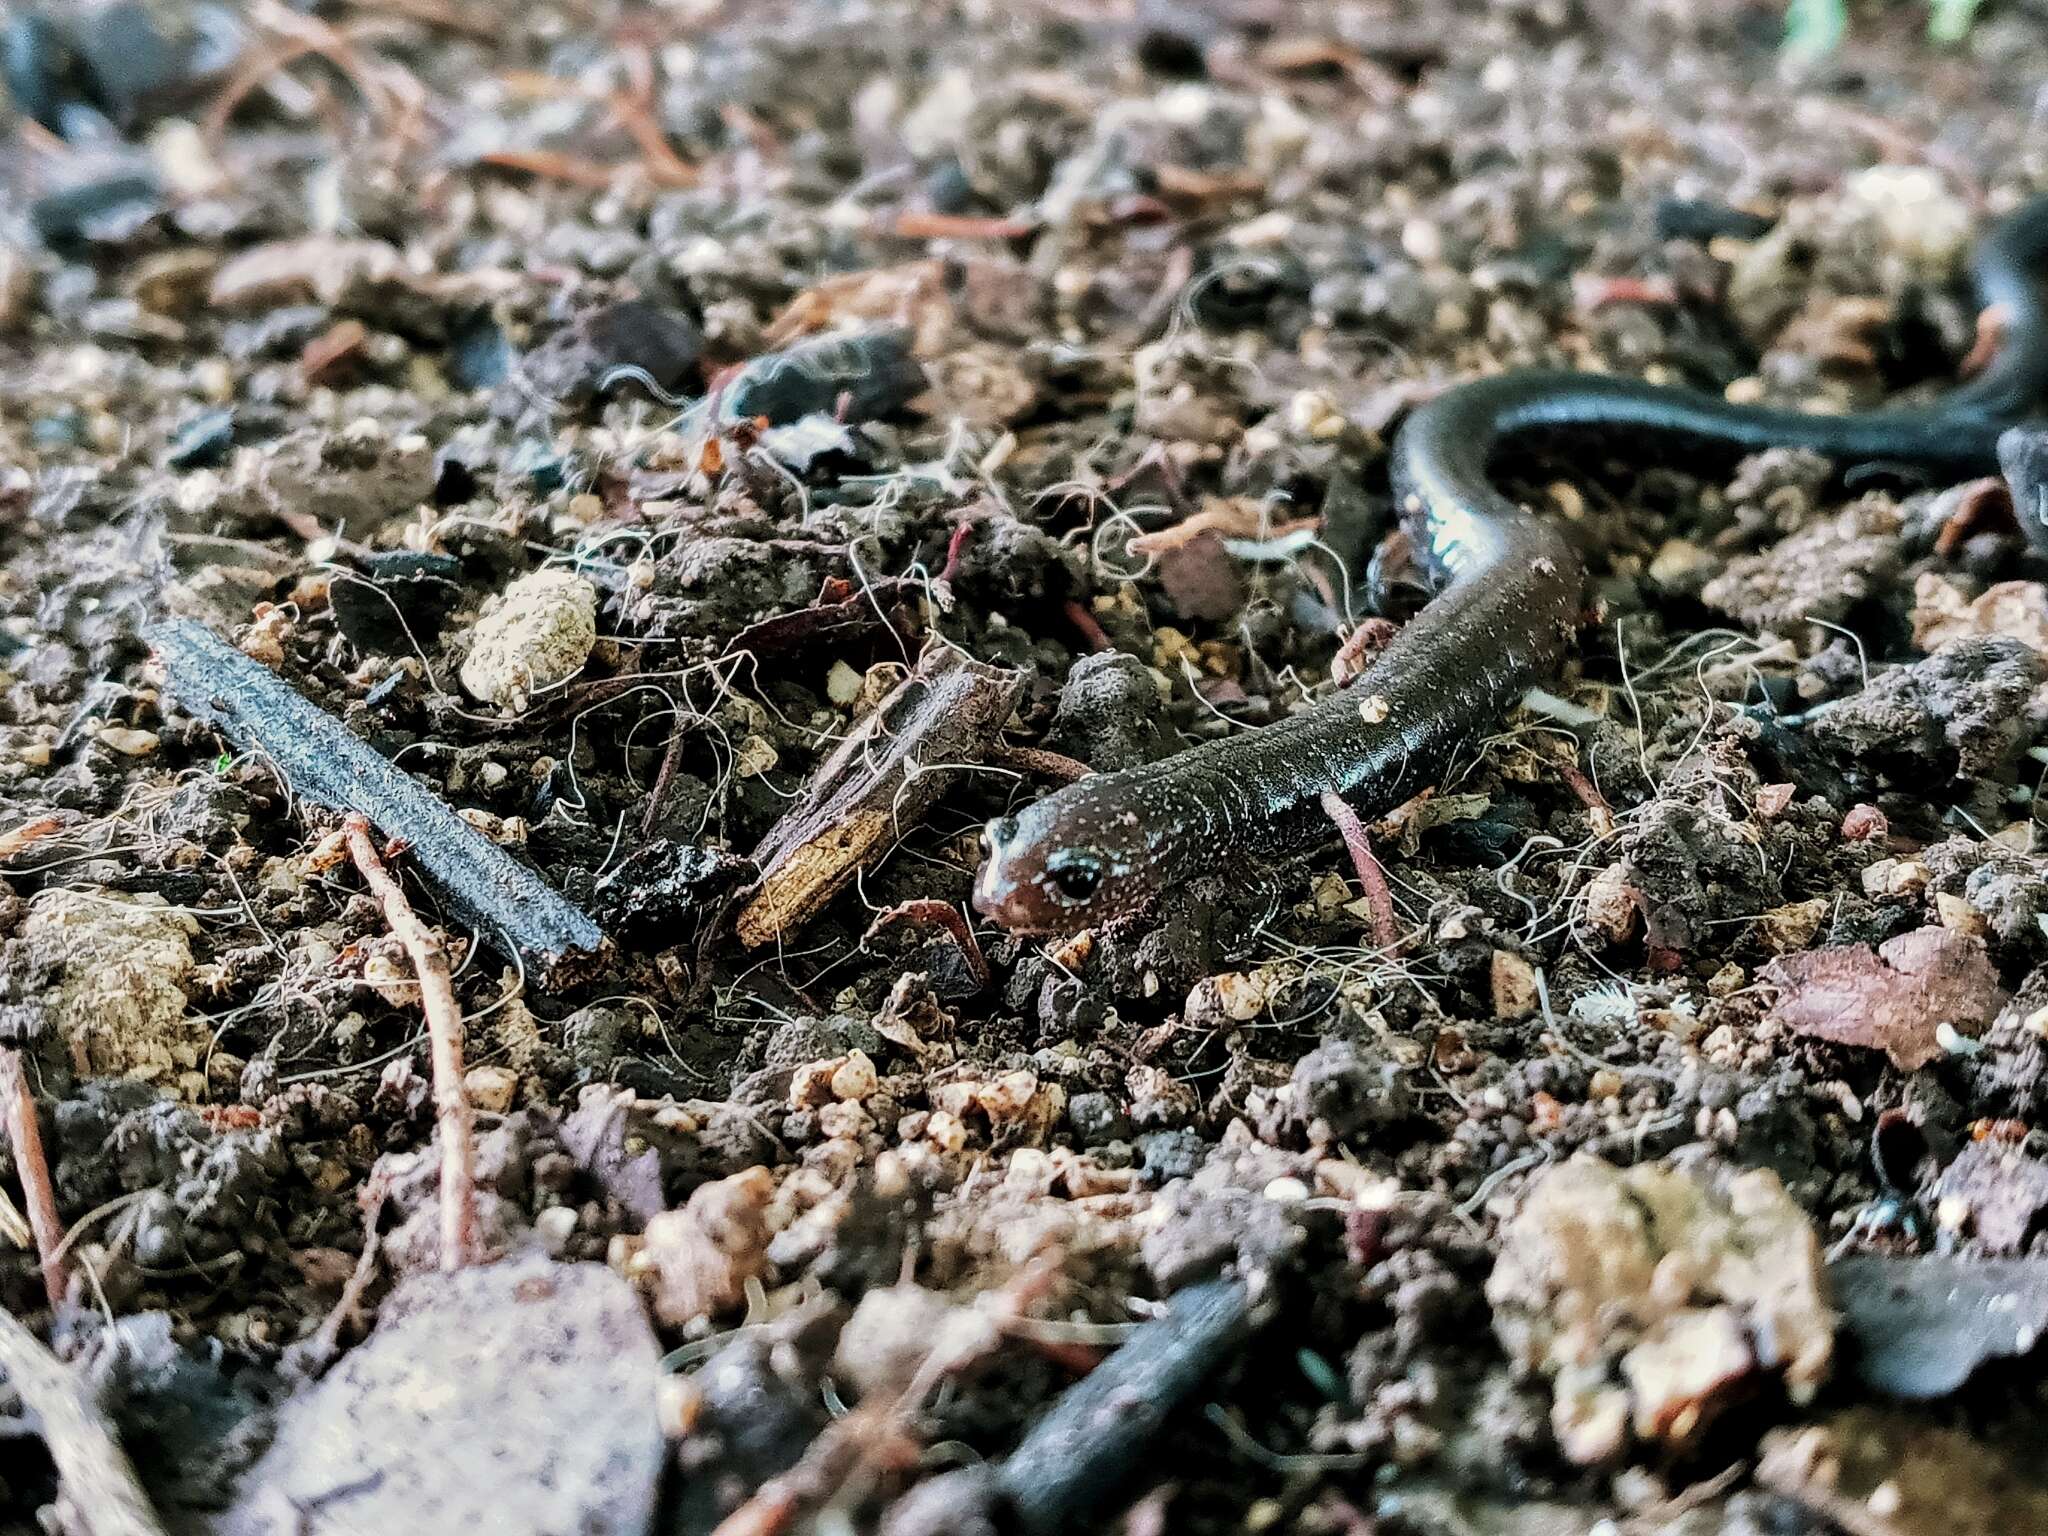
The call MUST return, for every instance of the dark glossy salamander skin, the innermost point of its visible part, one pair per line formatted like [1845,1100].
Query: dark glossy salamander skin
[1510,595]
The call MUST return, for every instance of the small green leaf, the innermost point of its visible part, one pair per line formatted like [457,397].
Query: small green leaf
[1815,27]
[1322,1375]
[223,763]
[1948,21]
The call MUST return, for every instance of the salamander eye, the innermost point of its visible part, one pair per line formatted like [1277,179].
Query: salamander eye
[1076,873]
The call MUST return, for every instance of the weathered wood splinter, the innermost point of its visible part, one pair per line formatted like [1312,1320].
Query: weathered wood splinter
[941,720]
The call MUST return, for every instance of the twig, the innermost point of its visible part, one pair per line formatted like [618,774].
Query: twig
[553,165]
[319,1350]
[1972,504]
[15,839]
[98,1483]
[1386,928]
[913,224]
[956,546]
[943,915]
[26,1137]
[459,1235]
[434,13]
[321,760]
[1598,811]
[1057,766]
[1092,632]
[1360,649]
[671,757]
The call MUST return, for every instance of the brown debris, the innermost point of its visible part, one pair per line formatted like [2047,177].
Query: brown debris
[19,839]
[24,1135]
[1942,615]
[328,355]
[1894,998]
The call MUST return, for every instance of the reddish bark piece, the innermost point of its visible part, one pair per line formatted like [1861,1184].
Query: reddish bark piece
[844,621]
[1894,998]
[1201,578]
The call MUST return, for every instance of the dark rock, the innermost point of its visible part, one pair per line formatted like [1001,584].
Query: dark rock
[2023,455]
[539,465]
[1236,289]
[572,367]
[1686,218]
[395,602]
[1097,1119]
[1348,1088]
[1962,712]
[40,63]
[1170,1155]
[105,209]
[667,888]
[479,354]
[1110,715]
[191,1416]
[136,61]
[861,377]
[755,1422]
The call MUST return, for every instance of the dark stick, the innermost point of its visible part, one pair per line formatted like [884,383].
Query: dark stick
[1100,1430]
[322,761]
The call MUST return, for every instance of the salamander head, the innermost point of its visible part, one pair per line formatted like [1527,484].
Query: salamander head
[1063,864]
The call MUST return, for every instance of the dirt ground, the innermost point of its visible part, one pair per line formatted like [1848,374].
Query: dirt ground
[726,453]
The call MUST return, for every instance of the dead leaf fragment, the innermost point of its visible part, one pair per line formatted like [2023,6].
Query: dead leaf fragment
[1894,998]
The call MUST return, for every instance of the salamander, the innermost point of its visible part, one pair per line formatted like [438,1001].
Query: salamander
[1509,590]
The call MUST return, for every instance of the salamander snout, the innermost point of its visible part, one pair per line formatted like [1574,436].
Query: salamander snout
[1035,883]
